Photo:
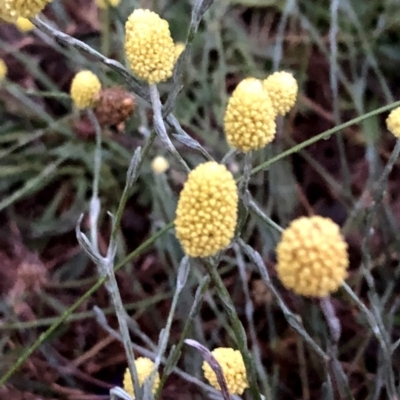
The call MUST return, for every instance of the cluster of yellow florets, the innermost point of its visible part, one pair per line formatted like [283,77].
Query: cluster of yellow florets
[106,3]
[144,368]
[312,257]
[3,70]
[206,214]
[249,119]
[393,122]
[282,89]
[149,46]
[4,14]
[233,369]
[85,89]
[12,9]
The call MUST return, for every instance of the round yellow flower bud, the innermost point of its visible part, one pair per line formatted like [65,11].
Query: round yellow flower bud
[393,122]
[3,70]
[149,46]
[23,24]
[282,89]
[249,117]
[144,368]
[159,165]
[106,3]
[85,89]
[24,8]
[232,365]
[206,214]
[312,257]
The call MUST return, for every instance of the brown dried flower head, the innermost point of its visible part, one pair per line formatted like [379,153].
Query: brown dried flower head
[115,106]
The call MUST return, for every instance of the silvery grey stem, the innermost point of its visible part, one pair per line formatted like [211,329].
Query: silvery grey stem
[183,273]
[105,264]
[64,39]
[159,127]
[381,335]
[117,393]
[249,311]
[152,355]
[294,320]
[253,206]
[95,201]
[214,364]
[331,319]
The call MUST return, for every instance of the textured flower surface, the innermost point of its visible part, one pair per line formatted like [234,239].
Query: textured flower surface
[4,14]
[3,69]
[24,24]
[85,89]
[206,214]
[282,89]
[144,368]
[312,257]
[249,117]
[104,3]
[231,362]
[24,8]
[114,106]
[393,122]
[149,46]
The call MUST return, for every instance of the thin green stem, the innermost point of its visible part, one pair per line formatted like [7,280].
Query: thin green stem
[324,135]
[67,313]
[237,328]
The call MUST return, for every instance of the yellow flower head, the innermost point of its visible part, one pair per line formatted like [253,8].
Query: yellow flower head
[207,210]
[249,117]
[144,368]
[85,89]
[393,122]
[233,368]
[3,70]
[4,14]
[149,46]
[159,165]
[179,47]
[23,24]
[106,3]
[24,8]
[282,89]
[312,257]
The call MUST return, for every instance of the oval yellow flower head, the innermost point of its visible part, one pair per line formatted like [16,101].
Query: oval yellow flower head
[206,215]
[282,89]
[393,122]
[149,46]
[106,3]
[231,362]
[144,368]
[85,89]
[312,258]
[3,70]
[24,24]
[24,8]
[249,117]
